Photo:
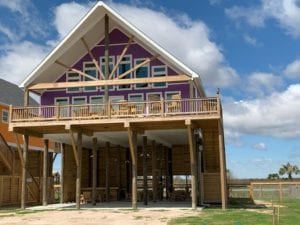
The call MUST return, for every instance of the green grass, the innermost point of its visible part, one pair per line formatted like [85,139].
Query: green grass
[241,212]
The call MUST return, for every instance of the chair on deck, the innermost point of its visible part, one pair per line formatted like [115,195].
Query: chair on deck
[175,104]
[154,104]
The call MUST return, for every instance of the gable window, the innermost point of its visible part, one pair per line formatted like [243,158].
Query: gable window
[73,77]
[141,72]
[90,69]
[124,66]
[159,71]
[110,65]
[135,97]
[5,116]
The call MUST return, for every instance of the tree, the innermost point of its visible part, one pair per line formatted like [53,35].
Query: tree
[289,169]
[273,176]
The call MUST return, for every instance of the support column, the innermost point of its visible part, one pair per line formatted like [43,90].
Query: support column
[62,174]
[45,172]
[154,174]
[107,158]
[222,167]
[132,136]
[94,182]
[192,147]
[78,175]
[145,191]
[24,171]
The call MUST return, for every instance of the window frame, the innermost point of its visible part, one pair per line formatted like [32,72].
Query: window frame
[130,74]
[84,97]
[96,96]
[2,112]
[132,94]
[156,74]
[112,62]
[150,93]
[172,92]
[148,72]
[68,80]
[84,79]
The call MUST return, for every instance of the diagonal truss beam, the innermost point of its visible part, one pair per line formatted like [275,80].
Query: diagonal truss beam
[121,57]
[93,58]
[137,66]
[75,70]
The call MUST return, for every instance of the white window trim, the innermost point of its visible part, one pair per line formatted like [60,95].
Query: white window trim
[132,94]
[91,68]
[172,92]
[130,85]
[74,97]
[67,79]
[153,75]
[95,96]
[5,110]
[148,69]
[113,64]
[62,98]
[151,93]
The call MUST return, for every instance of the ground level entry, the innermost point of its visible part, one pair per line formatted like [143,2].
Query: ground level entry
[146,170]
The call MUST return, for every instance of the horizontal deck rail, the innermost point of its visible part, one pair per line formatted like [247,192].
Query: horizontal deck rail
[122,109]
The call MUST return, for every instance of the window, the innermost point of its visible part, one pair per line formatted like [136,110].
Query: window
[156,96]
[63,111]
[96,99]
[90,69]
[79,100]
[135,97]
[111,66]
[169,95]
[141,72]
[4,116]
[159,71]
[124,66]
[73,77]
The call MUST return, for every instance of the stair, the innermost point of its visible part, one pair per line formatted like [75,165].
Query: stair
[6,155]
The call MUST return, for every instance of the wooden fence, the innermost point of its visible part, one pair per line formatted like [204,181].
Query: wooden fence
[10,190]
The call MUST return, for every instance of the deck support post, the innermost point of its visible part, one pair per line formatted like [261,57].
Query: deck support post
[78,172]
[132,136]
[107,158]
[192,147]
[45,172]
[154,174]
[94,181]
[62,174]
[24,171]
[145,177]
[222,167]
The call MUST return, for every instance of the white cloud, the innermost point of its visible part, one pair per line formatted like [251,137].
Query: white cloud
[24,19]
[260,146]
[292,70]
[275,115]
[16,63]
[285,12]
[67,15]
[260,83]
[251,40]
[8,33]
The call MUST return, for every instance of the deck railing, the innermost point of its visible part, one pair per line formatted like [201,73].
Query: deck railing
[122,109]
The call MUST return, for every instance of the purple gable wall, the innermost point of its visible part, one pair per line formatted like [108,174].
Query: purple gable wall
[137,51]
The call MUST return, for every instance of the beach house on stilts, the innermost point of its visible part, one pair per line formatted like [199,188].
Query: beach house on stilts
[132,119]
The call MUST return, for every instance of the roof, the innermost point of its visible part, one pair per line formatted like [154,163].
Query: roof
[91,28]
[11,94]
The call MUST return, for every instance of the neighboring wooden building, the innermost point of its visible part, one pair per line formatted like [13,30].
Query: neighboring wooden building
[129,116]
[10,164]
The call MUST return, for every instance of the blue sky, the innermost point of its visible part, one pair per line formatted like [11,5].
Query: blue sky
[248,49]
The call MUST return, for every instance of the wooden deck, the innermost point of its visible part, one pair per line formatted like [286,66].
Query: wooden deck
[120,110]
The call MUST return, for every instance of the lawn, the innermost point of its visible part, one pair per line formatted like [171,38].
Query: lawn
[242,212]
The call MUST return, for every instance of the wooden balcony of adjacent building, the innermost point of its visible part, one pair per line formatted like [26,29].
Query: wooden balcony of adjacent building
[161,111]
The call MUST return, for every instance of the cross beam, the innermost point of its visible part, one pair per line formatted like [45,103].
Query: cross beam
[60,85]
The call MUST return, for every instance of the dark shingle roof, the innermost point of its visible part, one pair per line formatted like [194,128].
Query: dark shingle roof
[11,94]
